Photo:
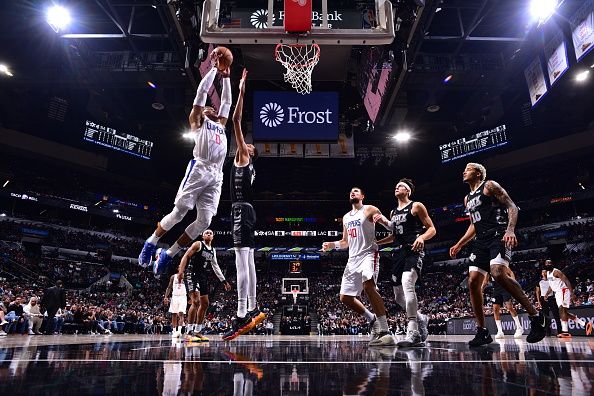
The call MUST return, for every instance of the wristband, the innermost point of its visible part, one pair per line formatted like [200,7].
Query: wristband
[337,245]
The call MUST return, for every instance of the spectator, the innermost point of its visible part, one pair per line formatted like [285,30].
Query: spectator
[54,298]
[34,316]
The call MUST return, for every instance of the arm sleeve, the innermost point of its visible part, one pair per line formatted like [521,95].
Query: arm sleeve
[204,87]
[216,268]
[225,98]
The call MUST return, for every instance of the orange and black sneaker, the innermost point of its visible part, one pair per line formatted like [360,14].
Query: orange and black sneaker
[564,335]
[257,317]
[253,367]
[239,326]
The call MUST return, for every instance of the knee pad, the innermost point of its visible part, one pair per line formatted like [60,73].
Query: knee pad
[176,215]
[203,218]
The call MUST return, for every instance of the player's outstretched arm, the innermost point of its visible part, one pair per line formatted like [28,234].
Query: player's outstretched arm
[421,211]
[342,244]
[195,117]
[494,189]
[184,261]
[243,156]
[226,97]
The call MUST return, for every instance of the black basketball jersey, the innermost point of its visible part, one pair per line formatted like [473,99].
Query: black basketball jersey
[486,213]
[242,178]
[406,226]
[202,258]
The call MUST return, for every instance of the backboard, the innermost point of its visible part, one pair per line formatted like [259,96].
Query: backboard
[260,22]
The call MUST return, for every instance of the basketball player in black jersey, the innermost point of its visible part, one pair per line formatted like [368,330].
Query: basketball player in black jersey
[493,217]
[411,226]
[200,256]
[244,222]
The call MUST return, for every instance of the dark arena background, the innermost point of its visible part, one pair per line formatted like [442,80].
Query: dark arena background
[95,137]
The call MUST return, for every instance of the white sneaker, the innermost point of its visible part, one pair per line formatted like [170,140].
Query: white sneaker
[500,334]
[412,339]
[31,332]
[519,332]
[384,338]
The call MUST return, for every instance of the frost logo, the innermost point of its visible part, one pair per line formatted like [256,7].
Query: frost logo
[272,115]
[259,19]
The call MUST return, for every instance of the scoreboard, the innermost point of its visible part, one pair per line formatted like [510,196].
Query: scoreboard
[120,141]
[295,267]
[474,144]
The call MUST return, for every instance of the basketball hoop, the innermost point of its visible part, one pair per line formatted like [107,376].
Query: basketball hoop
[294,292]
[299,60]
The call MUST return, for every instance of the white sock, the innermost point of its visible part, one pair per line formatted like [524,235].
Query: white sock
[499,328]
[173,250]
[383,323]
[153,239]
[564,326]
[199,328]
[518,323]
[191,327]
[368,315]
[251,282]
[242,267]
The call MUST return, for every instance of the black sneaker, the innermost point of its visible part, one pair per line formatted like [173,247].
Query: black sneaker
[239,326]
[482,337]
[538,328]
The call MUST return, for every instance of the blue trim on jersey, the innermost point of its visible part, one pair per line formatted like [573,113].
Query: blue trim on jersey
[192,163]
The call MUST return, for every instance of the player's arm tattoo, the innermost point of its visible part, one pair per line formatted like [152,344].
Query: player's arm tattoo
[502,196]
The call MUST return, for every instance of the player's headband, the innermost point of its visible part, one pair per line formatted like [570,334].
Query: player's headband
[406,186]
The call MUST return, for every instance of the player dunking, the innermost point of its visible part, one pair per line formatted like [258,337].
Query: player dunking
[200,255]
[244,220]
[407,222]
[362,268]
[201,185]
[179,304]
[493,217]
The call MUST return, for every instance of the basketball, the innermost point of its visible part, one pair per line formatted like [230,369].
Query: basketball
[225,57]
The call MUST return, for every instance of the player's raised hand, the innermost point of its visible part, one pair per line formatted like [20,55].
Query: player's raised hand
[242,81]
[225,73]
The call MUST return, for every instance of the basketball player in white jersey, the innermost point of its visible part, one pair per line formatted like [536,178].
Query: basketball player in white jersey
[200,255]
[179,304]
[202,182]
[561,286]
[360,274]
[241,180]
[411,226]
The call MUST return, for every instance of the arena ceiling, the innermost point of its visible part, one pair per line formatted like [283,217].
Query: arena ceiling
[101,68]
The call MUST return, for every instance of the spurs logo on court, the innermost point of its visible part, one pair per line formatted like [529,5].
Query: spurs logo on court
[272,114]
[259,19]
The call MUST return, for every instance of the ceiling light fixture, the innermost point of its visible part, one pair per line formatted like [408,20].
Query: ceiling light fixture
[542,10]
[402,136]
[583,76]
[58,18]
[448,78]
[4,70]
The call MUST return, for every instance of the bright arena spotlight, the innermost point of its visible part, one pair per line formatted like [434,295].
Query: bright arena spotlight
[542,10]
[58,18]
[402,136]
[582,76]
[4,70]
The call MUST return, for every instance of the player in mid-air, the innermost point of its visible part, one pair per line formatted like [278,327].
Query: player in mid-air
[493,217]
[200,256]
[244,221]
[362,268]
[202,181]
[561,286]
[411,227]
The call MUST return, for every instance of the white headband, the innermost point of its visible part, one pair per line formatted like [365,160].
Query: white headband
[403,184]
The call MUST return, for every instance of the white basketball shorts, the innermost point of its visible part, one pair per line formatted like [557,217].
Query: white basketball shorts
[359,269]
[200,187]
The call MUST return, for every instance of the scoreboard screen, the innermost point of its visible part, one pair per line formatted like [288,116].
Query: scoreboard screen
[120,141]
[295,267]
[474,144]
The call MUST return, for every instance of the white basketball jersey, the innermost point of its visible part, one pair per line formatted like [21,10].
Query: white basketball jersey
[544,287]
[210,143]
[556,283]
[360,233]
[179,288]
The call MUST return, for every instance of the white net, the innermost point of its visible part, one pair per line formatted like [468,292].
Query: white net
[299,60]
